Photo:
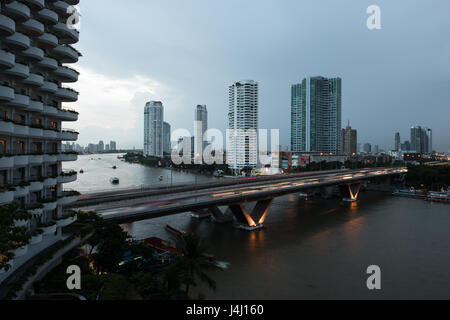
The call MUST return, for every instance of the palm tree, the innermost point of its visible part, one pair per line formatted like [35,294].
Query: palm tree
[192,263]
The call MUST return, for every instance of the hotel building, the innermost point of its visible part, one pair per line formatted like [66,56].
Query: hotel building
[35,53]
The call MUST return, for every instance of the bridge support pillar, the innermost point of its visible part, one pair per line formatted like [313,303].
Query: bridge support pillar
[221,215]
[351,191]
[253,220]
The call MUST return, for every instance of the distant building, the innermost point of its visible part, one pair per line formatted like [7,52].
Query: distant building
[167,148]
[350,141]
[316,108]
[107,148]
[113,146]
[200,128]
[376,149]
[367,148]
[101,146]
[153,129]
[421,140]
[242,148]
[397,142]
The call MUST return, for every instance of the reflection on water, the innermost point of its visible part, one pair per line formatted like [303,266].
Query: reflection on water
[321,249]
[98,170]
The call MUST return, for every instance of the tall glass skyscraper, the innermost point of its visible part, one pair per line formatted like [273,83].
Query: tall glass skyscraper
[200,128]
[316,121]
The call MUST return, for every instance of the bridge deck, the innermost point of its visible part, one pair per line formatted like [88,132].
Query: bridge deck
[186,201]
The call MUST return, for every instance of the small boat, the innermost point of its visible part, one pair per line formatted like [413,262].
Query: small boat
[161,178]
[175,231]
[81,171]
[114,167]
[114,180]
[161,246]
[416,194]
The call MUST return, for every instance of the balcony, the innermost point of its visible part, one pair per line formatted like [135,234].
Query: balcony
[66,34]
[36,4]
[34,80]
[66,221]
[68,197]
[33,27]
[36,106]
[18,41]
[7,60]
[6,161]
[50,205]
[47,16]
[61,7]
[36,132]
[21,160]
[6,93]
[50,158]
[66,54]
[50,182]
[67,177]
[20,252]
[49,229]
[68,115]
[36,186]
[36,159]
[50,110]
[50,134]
[37,210]
[49,87]
[20,101]
[7,26]
[66,95]
[21,192]
[6,127]
[21,130]
[18,11]
[48,40]
[68,135]
[6,197]
[36,239]
[66,157]
[66,74]
[33,54]
[48,63]
[18,71]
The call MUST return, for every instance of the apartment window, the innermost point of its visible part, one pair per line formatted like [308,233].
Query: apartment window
[3,146]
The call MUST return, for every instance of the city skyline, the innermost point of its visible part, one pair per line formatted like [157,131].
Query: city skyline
[124,84]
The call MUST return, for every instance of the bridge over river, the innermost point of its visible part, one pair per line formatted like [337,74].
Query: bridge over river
[230,199]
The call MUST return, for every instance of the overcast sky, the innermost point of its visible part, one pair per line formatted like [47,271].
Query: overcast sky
[186,53]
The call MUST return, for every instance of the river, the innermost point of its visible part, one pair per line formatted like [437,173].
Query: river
[317,249]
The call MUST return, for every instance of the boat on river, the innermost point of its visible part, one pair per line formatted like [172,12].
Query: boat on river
[114,180]
[416,194]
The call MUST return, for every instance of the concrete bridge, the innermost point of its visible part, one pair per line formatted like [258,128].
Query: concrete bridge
[230,202]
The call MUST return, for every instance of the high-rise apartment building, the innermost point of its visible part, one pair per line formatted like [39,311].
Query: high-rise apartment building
[167,148]
[35,53]
[242,148]
[421,140]
[101,146]
[153,129]
[350,141]
[200,128]
[113,146]
[398,144]
[316,115]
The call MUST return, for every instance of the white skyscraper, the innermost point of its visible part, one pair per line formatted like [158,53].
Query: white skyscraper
[242,137]
[36,54]
[200,128]
[153,129]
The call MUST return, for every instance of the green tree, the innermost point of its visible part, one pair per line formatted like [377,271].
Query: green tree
[193,264]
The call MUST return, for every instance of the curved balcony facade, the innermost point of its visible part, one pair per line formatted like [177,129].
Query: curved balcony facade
[7,59]
[7,26]
[35,48]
